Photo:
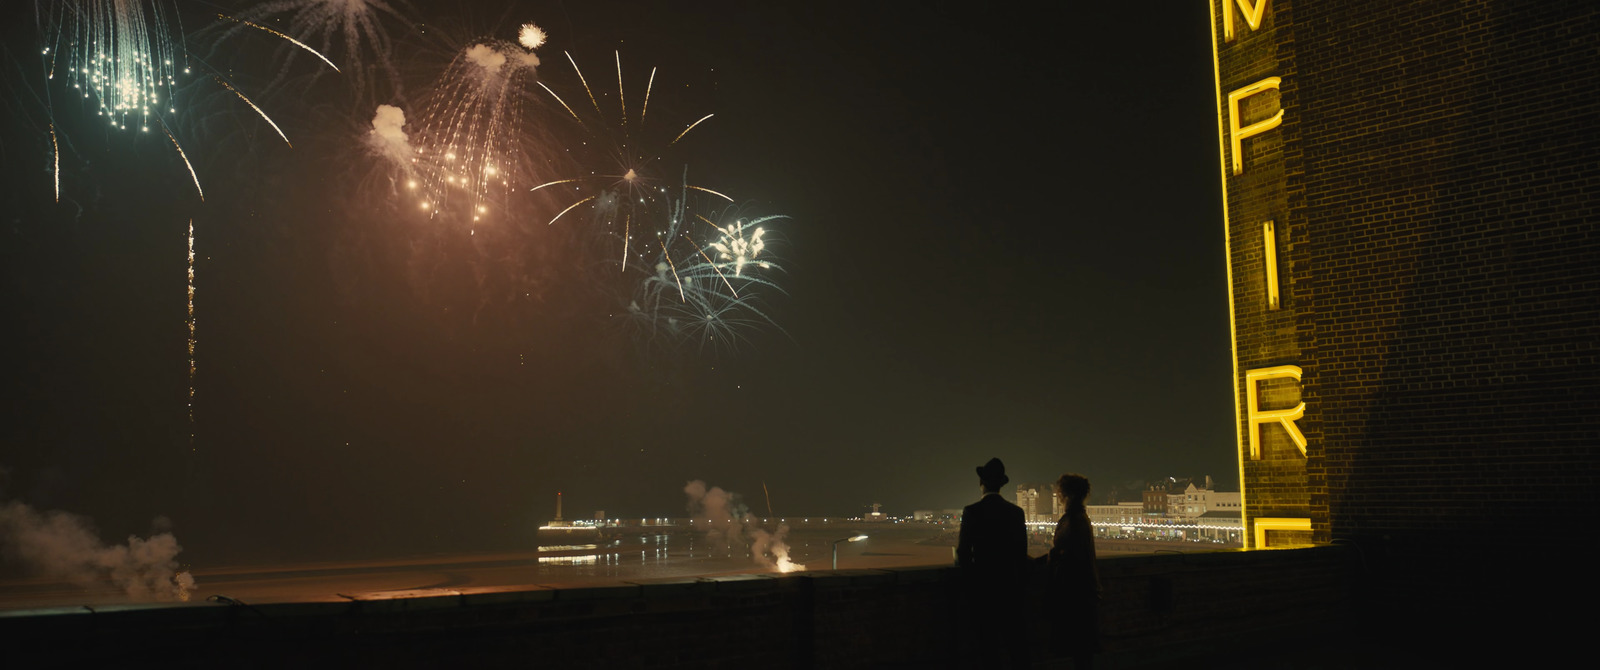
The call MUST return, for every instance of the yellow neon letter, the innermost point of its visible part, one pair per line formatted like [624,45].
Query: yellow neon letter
[1265,524]
[1237,134]
[1252,16]
[1270,240]
[1287,417]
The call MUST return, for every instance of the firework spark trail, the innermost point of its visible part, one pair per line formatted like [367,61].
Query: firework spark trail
[186,162]
[253,106]
[357,23]
[691,127]
[191,330]
[707,190]
[57,147]
[570,208]
[646,108]
[553,183]
[291,40]
[563,102]
[585,83]
[622,98]
[713,265]
[674,267]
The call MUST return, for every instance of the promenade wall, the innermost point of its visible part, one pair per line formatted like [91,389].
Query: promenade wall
[1158,608]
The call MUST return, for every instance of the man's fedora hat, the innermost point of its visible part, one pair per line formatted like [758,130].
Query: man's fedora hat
[993,472]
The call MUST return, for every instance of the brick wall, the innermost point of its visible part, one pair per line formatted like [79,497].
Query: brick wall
[1434,184]
[1276,484]
[1155,608]
[1452,162]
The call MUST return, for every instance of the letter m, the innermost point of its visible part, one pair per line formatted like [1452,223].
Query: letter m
[1252,10]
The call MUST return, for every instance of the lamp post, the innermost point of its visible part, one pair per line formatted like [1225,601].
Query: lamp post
[835,544]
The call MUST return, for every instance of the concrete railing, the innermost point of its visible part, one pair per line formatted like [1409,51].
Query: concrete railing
[1155,608]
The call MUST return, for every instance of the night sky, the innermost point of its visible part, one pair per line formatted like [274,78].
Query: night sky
[1005,240]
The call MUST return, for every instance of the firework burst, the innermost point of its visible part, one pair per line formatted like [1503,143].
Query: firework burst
[627,157]
[118,53]
[357,25]
[699,283]
[693,272]
[124,58]
[120,57]
[469,147]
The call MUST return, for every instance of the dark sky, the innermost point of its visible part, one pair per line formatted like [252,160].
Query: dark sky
[1005,240]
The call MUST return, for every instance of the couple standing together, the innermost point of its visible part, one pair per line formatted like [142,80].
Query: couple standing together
[993,554]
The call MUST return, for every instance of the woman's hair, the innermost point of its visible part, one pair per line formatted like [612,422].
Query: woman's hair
[1074,487]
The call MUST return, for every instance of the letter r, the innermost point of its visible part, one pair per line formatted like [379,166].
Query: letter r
[1258,416]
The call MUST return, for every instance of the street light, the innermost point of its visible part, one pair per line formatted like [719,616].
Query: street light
[835,545]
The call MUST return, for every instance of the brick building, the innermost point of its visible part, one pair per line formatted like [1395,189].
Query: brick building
[1034,501]
[1409,204]
[1155,501]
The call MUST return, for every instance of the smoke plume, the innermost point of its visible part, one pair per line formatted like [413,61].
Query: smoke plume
[65,546]
[486,57]
[732,529]
[388,136]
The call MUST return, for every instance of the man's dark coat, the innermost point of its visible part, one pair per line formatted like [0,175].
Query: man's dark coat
[994,540]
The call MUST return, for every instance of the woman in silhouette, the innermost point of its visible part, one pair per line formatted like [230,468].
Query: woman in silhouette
[1074,584]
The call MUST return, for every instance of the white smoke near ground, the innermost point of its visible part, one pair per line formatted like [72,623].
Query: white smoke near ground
[61,545]
[388,136]
[732,529]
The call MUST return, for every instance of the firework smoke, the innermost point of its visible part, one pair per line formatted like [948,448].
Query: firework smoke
[730,528]
[65,546]
[388,137]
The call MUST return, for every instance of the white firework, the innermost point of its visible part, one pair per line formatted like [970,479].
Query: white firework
[735,247]
[118,53]
[357,24]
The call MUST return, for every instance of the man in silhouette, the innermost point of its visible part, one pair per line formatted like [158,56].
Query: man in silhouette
[993,554]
